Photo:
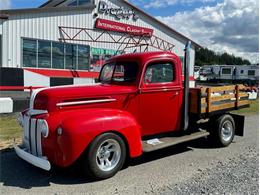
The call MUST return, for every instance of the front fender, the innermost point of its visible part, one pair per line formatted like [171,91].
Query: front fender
[80,128]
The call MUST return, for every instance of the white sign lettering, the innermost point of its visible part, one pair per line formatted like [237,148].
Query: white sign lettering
[119,13]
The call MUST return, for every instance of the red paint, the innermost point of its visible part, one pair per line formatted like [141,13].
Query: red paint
[63,73]
[123,28]
[140,109]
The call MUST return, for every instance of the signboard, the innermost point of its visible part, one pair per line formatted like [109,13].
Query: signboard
[123,28]
[119,12]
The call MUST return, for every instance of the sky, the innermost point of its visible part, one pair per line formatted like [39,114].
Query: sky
[230,26]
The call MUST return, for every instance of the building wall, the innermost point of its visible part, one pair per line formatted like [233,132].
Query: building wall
[44,25]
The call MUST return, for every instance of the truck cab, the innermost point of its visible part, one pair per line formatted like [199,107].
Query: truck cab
[157,82]
[139,97]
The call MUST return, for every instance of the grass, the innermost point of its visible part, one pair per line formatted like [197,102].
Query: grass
[9,129]
[253,109]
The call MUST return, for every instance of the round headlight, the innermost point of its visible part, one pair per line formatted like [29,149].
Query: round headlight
[20,119]
[43,126]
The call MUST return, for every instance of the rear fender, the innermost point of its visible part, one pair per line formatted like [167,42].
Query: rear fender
[80,128]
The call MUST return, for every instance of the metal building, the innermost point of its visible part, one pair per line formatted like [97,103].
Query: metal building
[67,41]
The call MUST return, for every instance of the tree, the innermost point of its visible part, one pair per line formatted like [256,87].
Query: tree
[205,56]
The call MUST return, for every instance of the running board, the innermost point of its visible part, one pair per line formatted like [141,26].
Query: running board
[164,142]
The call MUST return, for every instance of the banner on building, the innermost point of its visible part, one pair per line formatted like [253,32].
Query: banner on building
[123,28]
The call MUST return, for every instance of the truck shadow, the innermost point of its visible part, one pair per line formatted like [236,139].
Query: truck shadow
[17,173]
[201,143]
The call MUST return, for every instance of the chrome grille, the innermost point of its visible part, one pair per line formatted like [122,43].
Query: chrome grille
[32,136]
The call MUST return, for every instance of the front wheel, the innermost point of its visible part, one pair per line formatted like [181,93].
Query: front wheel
[105,156]
[223,131]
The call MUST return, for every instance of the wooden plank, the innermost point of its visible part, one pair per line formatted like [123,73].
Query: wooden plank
[222,97]
[243,95]
[203,110]
[241,87]
[224,88]
[223,106]
[203,101]
[209,92]
[237,96]
[243,102]
[203,90]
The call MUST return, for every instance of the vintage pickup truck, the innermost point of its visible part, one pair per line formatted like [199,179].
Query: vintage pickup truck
[142,103]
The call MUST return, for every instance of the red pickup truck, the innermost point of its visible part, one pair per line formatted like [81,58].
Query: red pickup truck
[141,104]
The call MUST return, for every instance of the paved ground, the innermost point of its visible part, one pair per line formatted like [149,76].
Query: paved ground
[191,168]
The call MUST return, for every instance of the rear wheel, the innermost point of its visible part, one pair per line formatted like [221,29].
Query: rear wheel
[223,130]
[105,156]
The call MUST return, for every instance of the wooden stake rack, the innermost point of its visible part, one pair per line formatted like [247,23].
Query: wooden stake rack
[208,99]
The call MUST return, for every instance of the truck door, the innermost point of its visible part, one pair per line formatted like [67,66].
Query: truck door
[160,98]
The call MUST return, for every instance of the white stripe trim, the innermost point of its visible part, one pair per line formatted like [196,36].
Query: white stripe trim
[85,102]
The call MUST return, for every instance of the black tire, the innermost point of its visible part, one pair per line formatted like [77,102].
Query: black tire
[222,130]
[93,161]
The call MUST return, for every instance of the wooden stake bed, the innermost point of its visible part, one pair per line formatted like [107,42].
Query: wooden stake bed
[205,101]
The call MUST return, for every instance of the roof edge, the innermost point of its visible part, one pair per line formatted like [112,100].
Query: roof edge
[12,11]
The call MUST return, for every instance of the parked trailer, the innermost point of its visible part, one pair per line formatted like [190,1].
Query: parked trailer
[246,74]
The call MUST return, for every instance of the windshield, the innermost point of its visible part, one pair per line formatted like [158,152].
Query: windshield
[119,72]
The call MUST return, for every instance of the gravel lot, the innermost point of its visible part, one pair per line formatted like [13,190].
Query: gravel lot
[191,168]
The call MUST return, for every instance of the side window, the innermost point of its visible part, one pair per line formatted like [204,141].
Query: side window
[160,73]
[226,71]
[251,72]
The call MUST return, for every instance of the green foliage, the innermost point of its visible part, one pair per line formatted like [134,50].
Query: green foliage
[205,56]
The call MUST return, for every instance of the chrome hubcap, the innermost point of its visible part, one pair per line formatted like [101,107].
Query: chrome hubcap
[108,155]
[227,131]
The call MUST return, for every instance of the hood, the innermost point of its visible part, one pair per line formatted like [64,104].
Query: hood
[49,98]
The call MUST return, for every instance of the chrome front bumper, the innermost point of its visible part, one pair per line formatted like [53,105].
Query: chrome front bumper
[40,162]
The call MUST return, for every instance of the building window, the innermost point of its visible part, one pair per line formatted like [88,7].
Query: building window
[58,59]
[79,2]
[44,54]
[226,71]
[242,72]
[99,56]
[251,72]
[71,56]
[83,57]
[56,55]
[83,2]
[29,53]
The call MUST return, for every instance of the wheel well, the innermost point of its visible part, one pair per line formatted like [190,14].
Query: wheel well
[124,139]
[116,133]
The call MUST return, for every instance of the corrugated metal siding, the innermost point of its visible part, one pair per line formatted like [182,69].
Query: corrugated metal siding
[45,26]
